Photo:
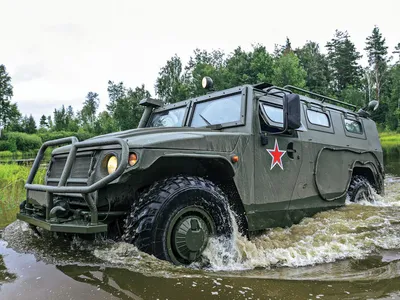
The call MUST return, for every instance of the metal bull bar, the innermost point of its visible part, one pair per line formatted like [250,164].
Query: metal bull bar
[84,190]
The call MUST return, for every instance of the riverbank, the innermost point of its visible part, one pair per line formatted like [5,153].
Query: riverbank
[12,192]
[389,139]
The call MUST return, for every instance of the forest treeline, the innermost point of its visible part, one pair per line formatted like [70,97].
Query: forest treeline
[332,69]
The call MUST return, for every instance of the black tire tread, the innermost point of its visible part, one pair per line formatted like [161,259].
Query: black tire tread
[357,182]
[138,225]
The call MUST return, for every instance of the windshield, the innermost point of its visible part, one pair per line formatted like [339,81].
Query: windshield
[219,111]
[226,110]
[168,118]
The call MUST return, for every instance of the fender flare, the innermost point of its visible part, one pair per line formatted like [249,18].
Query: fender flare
[356,163]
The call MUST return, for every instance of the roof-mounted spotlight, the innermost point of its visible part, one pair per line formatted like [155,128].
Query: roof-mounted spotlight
[207,83]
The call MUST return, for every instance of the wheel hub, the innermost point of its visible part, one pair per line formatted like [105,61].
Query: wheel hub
[190,237]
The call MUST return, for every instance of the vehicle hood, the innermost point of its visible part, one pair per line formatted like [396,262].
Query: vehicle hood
[202,139]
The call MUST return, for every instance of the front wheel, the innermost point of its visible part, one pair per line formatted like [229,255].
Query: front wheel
[176,217]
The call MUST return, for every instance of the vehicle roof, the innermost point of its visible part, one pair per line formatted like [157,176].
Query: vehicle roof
[323,104]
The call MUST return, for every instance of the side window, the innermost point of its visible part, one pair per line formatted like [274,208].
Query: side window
[353,126]
[271,118]
[318,118]
[275,114]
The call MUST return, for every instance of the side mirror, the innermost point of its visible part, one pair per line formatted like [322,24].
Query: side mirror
[291,111]
[373,105]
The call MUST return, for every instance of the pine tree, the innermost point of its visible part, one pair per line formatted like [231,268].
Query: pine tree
[30,126]
[397,48]
[89,108]
[378,59]
[43,122]
[343,62]
[115,92]
[9,112]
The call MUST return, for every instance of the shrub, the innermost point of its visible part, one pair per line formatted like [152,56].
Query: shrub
[22,141]
[54,135]
[6,153]
[4,146]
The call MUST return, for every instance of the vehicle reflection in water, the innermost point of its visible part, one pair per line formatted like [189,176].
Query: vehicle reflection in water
[127,284]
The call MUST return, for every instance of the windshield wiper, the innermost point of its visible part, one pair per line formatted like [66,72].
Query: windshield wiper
[209,125]
[205,120]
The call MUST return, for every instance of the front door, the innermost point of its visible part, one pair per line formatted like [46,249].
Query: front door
[278,159]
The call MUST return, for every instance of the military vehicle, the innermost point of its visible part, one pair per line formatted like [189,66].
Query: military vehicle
[270,155]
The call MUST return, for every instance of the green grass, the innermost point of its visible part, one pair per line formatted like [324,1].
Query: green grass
[17,154]
[390,139]
[12,191]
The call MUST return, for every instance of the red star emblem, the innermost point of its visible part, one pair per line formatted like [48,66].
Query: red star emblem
[276,155]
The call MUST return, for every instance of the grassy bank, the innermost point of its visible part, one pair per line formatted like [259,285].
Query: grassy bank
[17,155]
[12,192]
[390,139]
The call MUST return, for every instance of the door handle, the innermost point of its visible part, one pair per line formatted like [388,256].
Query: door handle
[290,150]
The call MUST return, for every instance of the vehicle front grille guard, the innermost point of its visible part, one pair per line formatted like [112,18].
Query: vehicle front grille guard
[84,190]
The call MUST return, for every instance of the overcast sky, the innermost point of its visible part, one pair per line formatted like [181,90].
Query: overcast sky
[58,51]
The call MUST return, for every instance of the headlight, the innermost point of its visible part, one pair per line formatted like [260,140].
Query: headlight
[112,164]
[133,159]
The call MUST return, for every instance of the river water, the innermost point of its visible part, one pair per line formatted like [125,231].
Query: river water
[349,253]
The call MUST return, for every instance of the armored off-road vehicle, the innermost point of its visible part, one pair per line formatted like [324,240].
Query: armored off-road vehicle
[265,154]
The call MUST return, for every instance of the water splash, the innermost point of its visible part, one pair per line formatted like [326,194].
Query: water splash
[354,231]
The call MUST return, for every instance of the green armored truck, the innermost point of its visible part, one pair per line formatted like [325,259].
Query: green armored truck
[268,155]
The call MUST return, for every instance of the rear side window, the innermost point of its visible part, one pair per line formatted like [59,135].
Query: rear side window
[318,118]
[353,126]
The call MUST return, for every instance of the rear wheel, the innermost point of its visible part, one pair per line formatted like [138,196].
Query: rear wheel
[360,189]
[176,217]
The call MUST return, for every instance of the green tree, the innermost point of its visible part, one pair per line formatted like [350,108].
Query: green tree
[60,119]
[287,70]
[29,124]
[397,48]
[343,62]
[378,60]
[90,107]
[249,67]
[172,83]
[392,97]
[353,95]
[316,66]
[43,122]
[127,111]
[104,123]
[204,63]
[50,122]
[9,112]
[115,92]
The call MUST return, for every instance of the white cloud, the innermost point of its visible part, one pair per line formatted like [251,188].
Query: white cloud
[58,51]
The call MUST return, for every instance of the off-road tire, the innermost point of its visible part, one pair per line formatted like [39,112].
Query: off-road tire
[359,189]
[154,215]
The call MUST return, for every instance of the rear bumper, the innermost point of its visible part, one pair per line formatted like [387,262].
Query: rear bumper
[75,226]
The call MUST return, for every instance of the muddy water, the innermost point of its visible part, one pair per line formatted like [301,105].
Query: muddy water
[349,253]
